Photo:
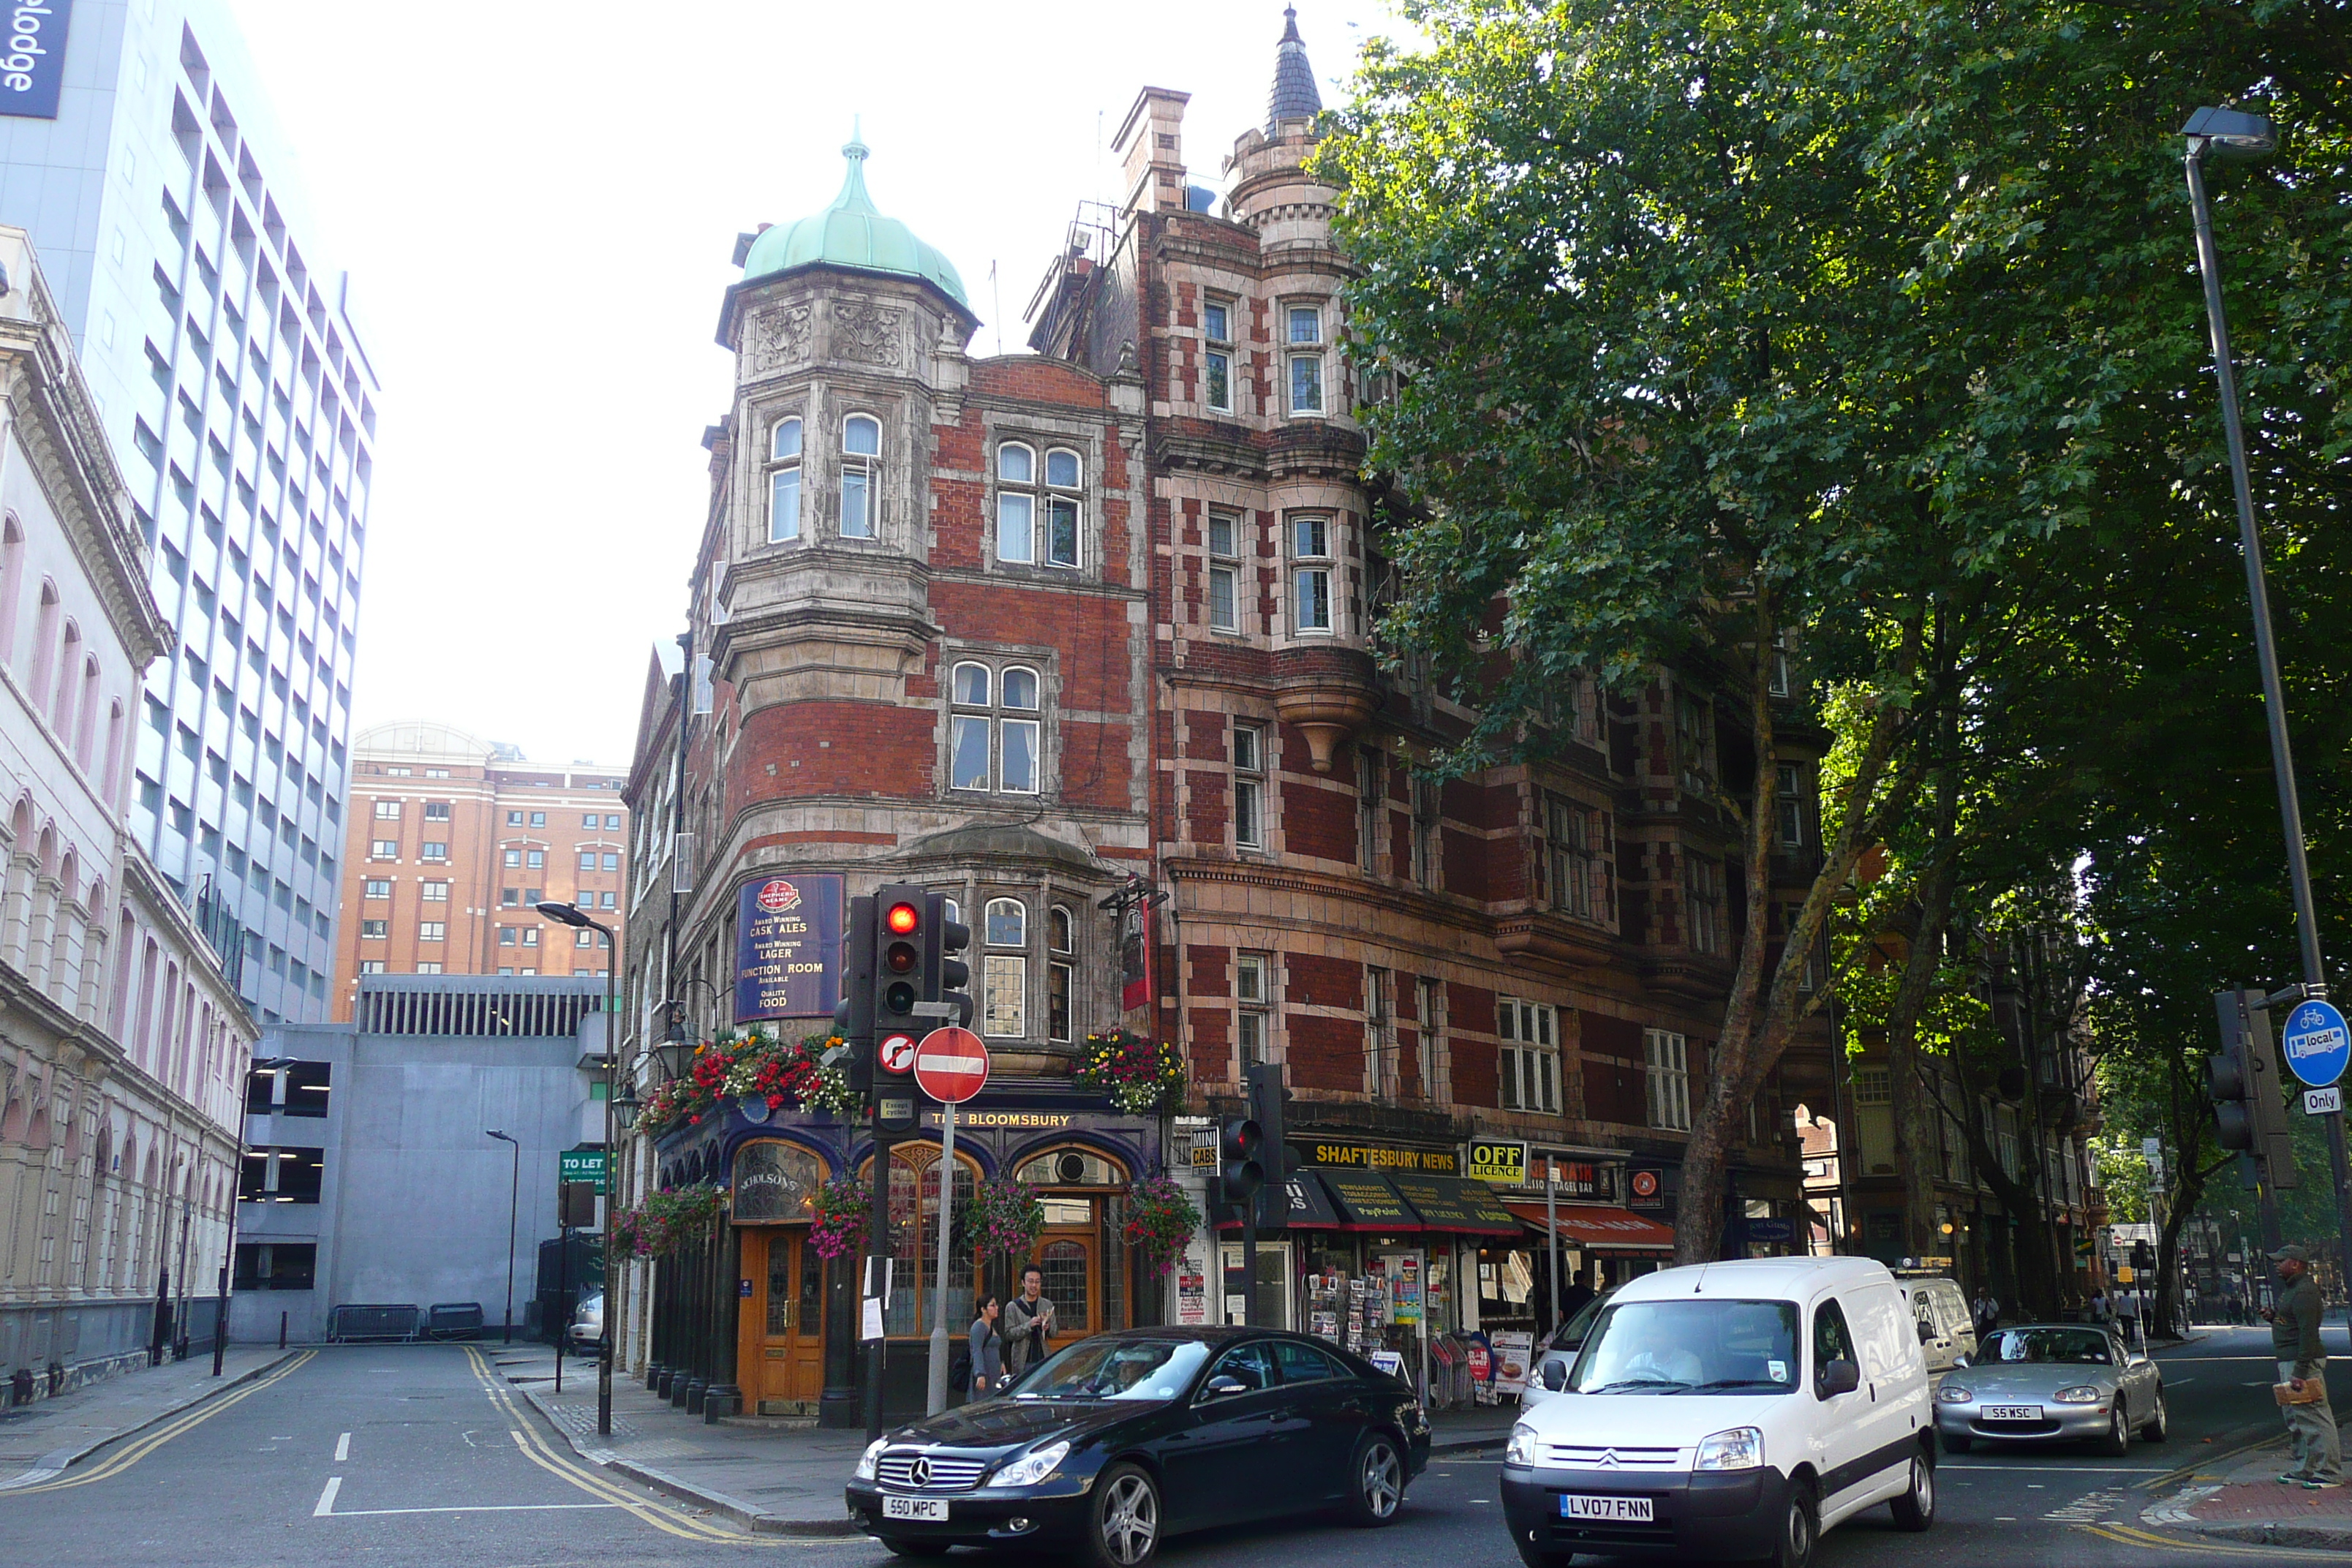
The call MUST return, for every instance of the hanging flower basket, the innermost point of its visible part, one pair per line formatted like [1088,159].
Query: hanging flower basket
[755,1070]
[837,1219]
[1161,1221]
[1001,1216]
[676,1218]
[1139,1076]
[629,1237]
[683,1101]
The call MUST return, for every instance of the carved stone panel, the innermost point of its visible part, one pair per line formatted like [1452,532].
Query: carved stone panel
[866,332]
[780,337]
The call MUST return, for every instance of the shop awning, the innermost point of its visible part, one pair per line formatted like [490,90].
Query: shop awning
[1366,1202]
[1601,1227]
[1456,1205]
[1311,1206]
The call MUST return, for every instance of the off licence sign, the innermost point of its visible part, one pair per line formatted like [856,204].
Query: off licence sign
[1502,1160]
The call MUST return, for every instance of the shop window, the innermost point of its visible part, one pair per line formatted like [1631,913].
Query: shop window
[1666,1057]
[1526,1068]
[775,1181]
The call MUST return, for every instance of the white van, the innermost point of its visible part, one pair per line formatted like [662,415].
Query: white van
[1729,1411]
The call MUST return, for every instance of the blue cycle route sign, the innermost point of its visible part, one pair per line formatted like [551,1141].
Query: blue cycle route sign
[2317,1044]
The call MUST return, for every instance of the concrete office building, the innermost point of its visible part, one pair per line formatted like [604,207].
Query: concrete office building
[369,1175]
[452,841]
[229,378]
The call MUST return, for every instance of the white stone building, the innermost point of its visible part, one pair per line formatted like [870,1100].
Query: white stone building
[122,1051]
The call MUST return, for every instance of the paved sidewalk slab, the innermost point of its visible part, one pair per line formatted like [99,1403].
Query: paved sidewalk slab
[770,1475]
[40,1440]
[2242,1500]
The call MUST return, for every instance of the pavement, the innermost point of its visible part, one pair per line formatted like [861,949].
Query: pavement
[764,1475]
[2237,1497]
[41,1440]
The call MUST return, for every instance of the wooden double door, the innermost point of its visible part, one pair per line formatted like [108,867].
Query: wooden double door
[779,1352]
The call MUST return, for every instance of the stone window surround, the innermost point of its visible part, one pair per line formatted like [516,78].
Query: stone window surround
[823,409]
[1040,432]
[997,657]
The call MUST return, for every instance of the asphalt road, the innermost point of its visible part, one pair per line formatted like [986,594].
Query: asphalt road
[398,1456]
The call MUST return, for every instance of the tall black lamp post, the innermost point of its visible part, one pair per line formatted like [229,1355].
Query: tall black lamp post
[514,1204]
[2230,134]
[569,914]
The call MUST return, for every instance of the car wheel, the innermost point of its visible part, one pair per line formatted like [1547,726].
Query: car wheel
[1958,1442]
[2117,1442]
[902,1547]
[1123,1527]
[1915,1510]
[1800,1528]
[1376,1482]
[1534,1556]
[2158,1422]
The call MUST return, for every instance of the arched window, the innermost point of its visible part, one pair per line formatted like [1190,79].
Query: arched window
[972,685]
[785,482]
[861,448]
[45,644]
[1060,972]
[914,1213]
[1063,506]
[1005,732]
[1069,1168]
[1004,988]
[12,585]
[86,723]
[1021,689]
[1016,510]
[110,783]
[1058,927]
[68,680]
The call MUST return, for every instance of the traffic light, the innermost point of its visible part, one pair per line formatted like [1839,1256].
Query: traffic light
[946,978]
[2243,1081]
[1269,1104]
[901,976]
[2143,1258]
[1241,1145]
[853,1015]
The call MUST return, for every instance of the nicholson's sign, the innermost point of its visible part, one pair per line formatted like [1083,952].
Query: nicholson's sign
[33,64]
[788,947]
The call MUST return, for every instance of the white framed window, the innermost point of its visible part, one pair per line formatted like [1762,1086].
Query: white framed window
[370,966]
[1790,805]
[784,480]
[1694,744]
[428,969]
[1665,1056]
[432,931]
[1784,681]
[1253,998]
[375,929]
[1577,840]
[1217,355]
[1061,970]
[1039,509]
[1006,924]
[1703,901]
[1249,787]
[1434,1058]
[435,892]
[1224,572]
[1526,1067]
[861,476]
[376,887]
[1310,574]
[512,857]
[436,850]
[1304,340]
[388,811]
[584,938]
[436,811]
[994,732]
[384,848]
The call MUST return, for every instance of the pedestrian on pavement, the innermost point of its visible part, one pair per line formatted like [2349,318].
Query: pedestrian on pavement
[1987,1313]
[987,1347]
[1573,1299]
[2103,1308]
[1028,1320]
[2302,1365]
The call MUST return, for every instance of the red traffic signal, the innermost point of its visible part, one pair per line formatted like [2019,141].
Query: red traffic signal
[903,919]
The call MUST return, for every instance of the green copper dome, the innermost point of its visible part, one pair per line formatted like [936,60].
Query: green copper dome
[852,233]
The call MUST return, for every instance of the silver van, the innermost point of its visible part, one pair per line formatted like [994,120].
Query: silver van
[1946,1329]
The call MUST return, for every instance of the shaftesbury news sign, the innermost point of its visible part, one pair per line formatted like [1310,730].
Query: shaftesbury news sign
[35,62]
[788,947]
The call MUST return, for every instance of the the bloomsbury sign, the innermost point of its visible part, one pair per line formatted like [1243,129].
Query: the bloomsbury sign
[33,64]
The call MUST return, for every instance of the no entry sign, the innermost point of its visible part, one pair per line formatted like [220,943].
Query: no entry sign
[952,1065]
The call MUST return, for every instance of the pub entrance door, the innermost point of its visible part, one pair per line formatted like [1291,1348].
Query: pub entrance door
[782,1348]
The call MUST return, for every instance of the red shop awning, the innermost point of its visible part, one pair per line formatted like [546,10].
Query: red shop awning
[1601,1227]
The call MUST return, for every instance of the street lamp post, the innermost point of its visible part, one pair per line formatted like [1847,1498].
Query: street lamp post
[2227,133]
[569,914]
[514,1207]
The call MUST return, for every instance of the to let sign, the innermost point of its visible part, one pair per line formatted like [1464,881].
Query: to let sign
[581,1165]
[2316,1043]
[788,946]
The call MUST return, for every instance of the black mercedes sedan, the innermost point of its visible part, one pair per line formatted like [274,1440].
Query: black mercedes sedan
[1122,1440]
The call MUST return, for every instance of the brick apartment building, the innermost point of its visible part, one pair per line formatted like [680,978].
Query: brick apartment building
[453,839]
[1045,630]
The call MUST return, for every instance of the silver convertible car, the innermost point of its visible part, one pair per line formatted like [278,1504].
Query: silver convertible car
[2051,1383]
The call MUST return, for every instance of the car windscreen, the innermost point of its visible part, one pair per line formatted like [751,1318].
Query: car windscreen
[1690,1347]
[1116,1369]
[2078,1346]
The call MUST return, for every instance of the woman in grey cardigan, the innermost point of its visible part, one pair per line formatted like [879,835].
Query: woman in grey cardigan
[987,1348]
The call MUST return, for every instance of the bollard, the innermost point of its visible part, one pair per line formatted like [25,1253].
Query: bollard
[282,1331]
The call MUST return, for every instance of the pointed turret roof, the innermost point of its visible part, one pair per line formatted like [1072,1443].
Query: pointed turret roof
[1293,96]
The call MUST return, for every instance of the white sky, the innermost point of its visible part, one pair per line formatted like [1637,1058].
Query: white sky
[537,203]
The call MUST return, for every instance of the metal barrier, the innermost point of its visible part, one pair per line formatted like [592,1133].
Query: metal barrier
[454,1320]
[374,1322]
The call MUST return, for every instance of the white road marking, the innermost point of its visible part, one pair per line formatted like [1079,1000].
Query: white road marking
[478,1508]
[343,1447]
[2004,1519]
[326,1508]
[2059,1469]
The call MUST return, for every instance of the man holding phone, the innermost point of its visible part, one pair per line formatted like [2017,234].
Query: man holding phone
[1028,1322]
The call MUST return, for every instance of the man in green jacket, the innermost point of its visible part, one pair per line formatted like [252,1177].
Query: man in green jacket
[2302,1362]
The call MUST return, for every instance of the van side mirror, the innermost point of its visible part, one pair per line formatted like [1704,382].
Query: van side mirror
[1554,1375]
[1839,1377]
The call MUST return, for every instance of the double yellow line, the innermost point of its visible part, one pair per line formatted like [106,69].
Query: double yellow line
[123,1459]
[543,1453]
[2131,1535]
